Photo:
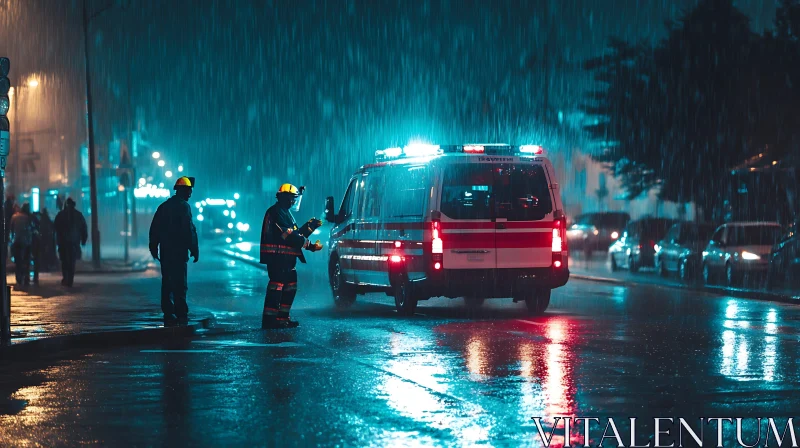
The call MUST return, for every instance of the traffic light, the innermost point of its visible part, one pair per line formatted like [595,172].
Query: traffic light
[5,103]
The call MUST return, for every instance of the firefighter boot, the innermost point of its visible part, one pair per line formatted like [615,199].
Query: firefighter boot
[272,301]
[289,291]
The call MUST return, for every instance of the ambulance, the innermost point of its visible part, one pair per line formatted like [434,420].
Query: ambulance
[476,221]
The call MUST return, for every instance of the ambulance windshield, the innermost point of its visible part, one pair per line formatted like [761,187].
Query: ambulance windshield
[486,191]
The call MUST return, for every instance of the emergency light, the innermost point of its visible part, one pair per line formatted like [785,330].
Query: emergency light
[421,150]
[410,150]
[427,150]
[531,149]
[474,149]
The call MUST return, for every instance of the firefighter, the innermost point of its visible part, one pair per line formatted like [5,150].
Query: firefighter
[281,245]
[173,232]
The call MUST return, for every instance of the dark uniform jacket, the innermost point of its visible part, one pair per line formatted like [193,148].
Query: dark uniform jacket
[281,240]
[172,229]
[71,231]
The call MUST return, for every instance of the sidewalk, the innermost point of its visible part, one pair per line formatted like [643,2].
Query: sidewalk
[51,318]
[112,261]
[597,269]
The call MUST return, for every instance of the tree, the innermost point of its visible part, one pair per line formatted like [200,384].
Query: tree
[787,20]
[676,117]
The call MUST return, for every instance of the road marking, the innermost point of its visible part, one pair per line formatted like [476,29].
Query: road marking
[250,344]
[178,351]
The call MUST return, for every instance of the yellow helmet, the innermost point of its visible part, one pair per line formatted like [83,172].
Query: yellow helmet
[183,182]
[288,188]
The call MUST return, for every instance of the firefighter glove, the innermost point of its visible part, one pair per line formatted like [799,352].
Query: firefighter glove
[314,224]
[315,247]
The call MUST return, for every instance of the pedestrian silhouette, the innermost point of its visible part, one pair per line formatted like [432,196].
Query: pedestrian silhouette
[71,233]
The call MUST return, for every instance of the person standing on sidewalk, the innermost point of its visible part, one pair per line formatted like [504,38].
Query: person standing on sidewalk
[22,238]
[36,246]
[71,233]
[48,248]
[172,238]
[9,208]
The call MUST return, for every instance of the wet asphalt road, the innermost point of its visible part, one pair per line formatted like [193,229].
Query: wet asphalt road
[367,377]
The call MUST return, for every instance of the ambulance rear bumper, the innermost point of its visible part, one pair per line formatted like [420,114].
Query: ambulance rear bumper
[490,283]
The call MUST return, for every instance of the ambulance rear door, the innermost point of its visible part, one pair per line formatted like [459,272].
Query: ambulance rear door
[467,216]
[524,215]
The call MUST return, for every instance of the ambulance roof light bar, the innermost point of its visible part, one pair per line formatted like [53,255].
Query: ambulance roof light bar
[474,149]
[421,150]
[531,149]
[410,150]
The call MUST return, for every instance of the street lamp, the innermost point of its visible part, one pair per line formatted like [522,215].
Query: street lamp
[161,163]
[15,95]
[156,155]
[168,174]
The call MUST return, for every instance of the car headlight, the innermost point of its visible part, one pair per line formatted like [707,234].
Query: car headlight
[657,248]
[614,235]
[749,256]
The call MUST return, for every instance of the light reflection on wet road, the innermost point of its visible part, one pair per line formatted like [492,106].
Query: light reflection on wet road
[447,376]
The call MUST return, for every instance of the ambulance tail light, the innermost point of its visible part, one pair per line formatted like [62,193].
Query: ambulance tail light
[559,246]
[474,149]
[437,245]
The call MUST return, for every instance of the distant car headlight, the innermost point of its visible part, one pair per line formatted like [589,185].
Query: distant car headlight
[596,232]
[657,248]
[749,256]
[614,235]
[705,253]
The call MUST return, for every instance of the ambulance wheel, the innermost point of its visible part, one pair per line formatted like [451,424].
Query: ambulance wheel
[404,299]
[473,302]
[537,301]
[343,294]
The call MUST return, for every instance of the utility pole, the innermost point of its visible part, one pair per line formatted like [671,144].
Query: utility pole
[90,131]
[132,146]
[5,294]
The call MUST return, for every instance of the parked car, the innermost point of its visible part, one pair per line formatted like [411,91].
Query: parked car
[739,248]
[681,250]
[784,261]
[596,231]
[636,247]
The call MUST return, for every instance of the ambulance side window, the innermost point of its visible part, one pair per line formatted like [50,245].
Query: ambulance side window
[406,192]
[346,210]
[373,193]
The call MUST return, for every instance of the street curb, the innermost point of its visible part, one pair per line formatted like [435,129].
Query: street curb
[104,339]
[592,278]
[720,290]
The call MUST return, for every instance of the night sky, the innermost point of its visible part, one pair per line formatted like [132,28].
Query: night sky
[317,86]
